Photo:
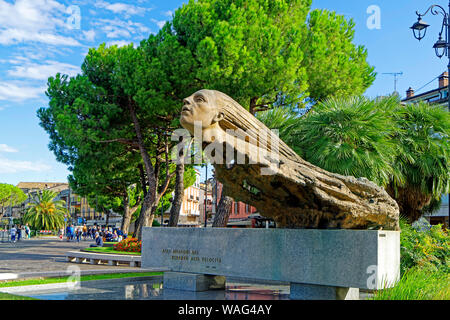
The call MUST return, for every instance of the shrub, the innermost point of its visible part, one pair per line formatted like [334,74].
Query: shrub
[128,245]
[424,248]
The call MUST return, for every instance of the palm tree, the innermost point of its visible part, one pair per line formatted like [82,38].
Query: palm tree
[351,136]
[286,121]
[404,149]
[44,212]
[424,158]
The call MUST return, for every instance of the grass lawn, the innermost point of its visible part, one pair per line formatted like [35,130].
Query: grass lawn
[110,250]
[29,282]
[418,284]
[7,296]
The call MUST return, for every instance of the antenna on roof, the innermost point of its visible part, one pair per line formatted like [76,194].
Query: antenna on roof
[395,74]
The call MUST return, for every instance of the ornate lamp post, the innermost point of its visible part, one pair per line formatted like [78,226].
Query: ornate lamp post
[441,47]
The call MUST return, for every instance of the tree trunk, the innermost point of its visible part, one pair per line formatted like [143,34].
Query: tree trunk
[136,224]
[107,218]
[252,105]
[126,215]
[146,216]
[150,197]
[223,211]
[179,195]
[411,201]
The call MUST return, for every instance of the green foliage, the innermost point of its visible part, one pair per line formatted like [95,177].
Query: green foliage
[286,121]
[422,136]
[402,148]
[418,283]
[424,265]
[334,65]
[253,50]
[424,248]
[44,212]
[350,136]
[265,53]
[10,196]
[249,49]
[90,125]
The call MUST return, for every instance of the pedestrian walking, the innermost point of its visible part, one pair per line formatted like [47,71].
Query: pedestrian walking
[13,233]
[78,234]
[19,233]
[68,232]
[72,232]
[85,232]
[27,231]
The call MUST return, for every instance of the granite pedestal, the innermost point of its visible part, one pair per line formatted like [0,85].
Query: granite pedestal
[319,264]
[301,291]
[193,281]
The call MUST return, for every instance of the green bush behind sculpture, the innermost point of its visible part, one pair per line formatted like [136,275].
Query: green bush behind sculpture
[424,249]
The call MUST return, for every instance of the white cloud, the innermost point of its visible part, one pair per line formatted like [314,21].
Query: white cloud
[159,23]
[14,166]
[34,21]
[121,8]
[15,91]
[43,71]
[89,35]
[168,13]
[14,36]
[6,148]
[120,43]
[121,29]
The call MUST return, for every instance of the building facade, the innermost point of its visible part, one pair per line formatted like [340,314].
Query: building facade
[190,208]
[78,207]
[242,215]
[436,96]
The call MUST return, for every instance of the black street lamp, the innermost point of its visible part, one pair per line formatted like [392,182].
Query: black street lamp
[441,46]
[418,27]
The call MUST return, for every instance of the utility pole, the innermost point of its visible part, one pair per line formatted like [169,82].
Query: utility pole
[206,193]
[395,74]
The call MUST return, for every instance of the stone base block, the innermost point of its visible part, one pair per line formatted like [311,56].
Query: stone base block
[193,281]
[301,291]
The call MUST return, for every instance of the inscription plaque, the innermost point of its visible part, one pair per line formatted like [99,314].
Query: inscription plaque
[342,258]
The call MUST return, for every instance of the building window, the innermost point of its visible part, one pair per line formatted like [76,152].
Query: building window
[236,208]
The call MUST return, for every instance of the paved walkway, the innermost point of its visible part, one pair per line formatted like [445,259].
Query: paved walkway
[43,255]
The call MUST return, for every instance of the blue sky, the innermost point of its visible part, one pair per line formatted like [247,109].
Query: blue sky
[39,38]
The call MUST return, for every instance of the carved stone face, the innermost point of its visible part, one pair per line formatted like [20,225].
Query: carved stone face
[200,107]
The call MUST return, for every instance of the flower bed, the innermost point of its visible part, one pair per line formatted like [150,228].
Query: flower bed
[128,245]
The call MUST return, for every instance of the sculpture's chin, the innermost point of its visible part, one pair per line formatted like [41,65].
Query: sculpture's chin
[185,123]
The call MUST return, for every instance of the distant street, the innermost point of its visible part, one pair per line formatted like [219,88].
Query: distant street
[41,255]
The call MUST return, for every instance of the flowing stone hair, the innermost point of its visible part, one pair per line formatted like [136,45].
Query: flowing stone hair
[248,128]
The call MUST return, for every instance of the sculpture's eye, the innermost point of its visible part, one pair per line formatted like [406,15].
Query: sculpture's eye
[199,99]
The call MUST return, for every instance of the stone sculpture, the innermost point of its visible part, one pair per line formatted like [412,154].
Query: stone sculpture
[258,168]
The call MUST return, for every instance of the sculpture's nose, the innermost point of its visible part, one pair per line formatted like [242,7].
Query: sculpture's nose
[186,102]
